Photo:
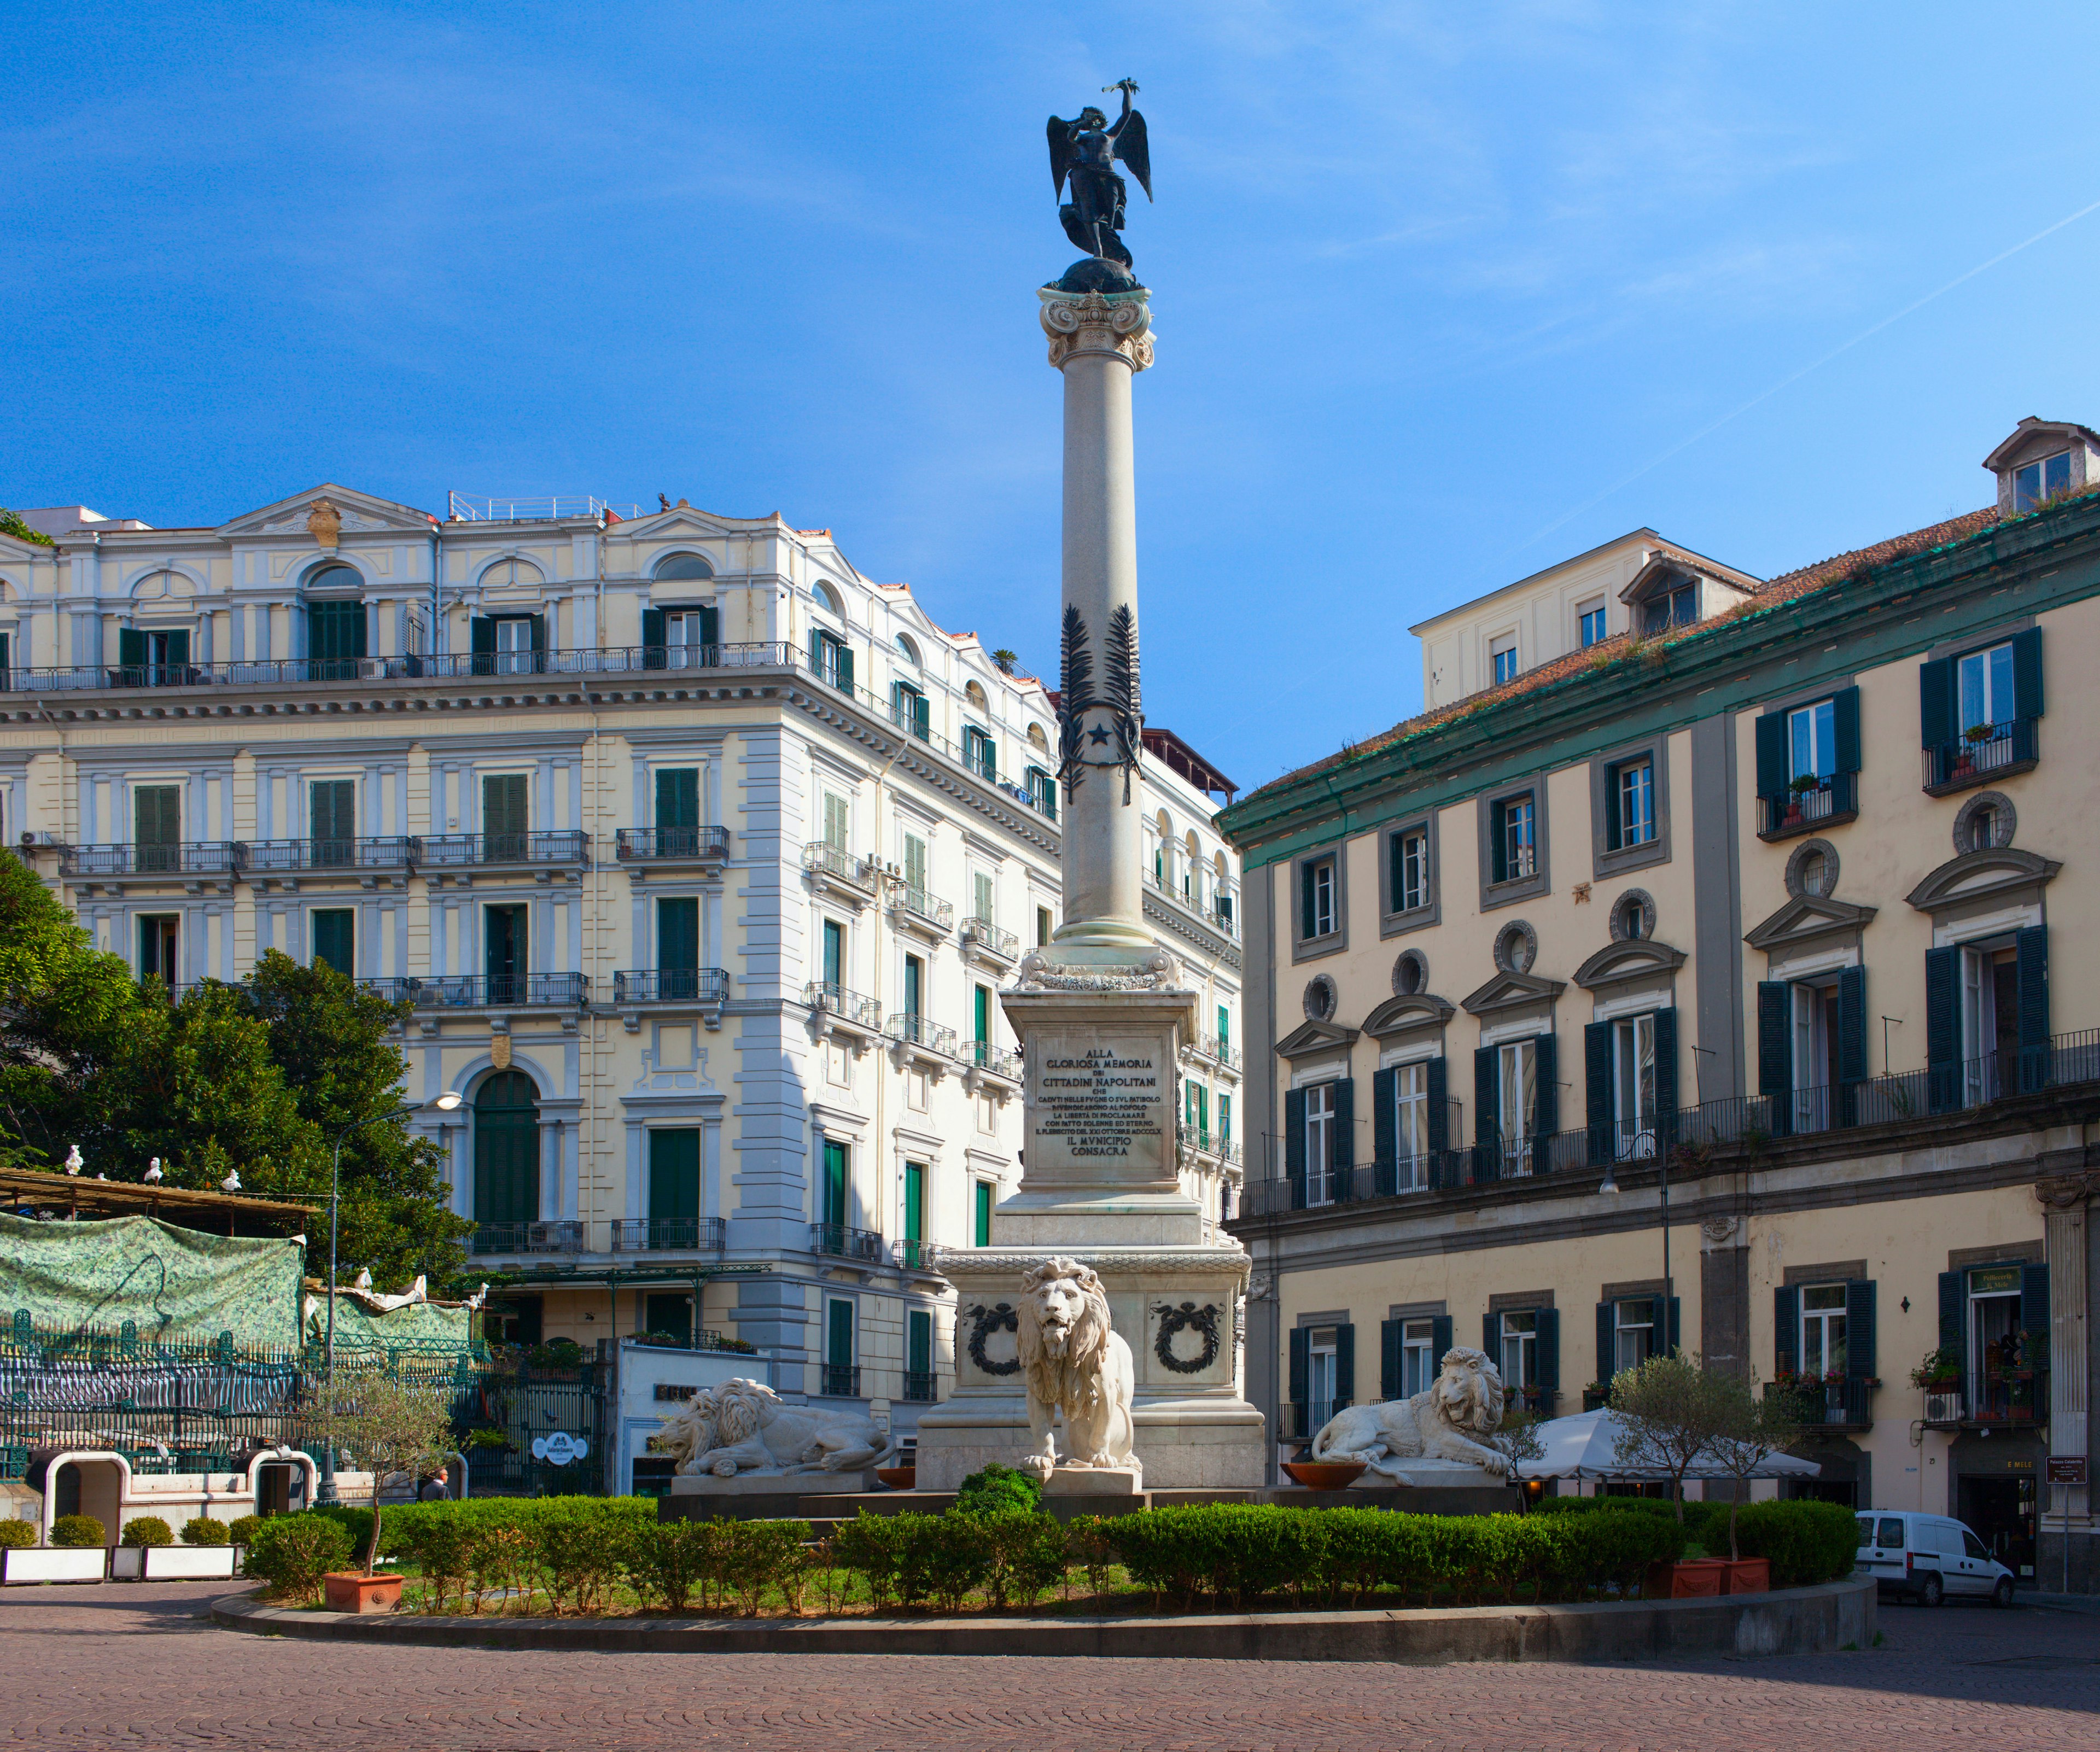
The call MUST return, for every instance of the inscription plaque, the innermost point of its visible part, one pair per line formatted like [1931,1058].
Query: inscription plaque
[1099,1105]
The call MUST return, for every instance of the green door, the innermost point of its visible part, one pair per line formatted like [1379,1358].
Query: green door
[919,1355]
[506,1154]
[836,1208]
[335,940]
[981,1227]
[678,949]
[915,1201]
[503,820]
[835,956]
[335,640]
[157,812]
[504,954]
[915,976]
[669,1314]
[982,1016]
[333,836]
[678,811]
[839,1336]
[674,1188]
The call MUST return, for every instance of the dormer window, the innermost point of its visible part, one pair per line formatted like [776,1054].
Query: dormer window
[2041,480]
[1677,606]
[1502,658]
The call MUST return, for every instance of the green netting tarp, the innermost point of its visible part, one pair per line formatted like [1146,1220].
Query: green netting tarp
[173,1283]
[422,1325]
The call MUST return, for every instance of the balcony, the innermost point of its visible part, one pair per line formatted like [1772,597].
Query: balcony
[917,1255]
[565,1237]
[921,1386]
[185,863]
[1944,1408]
[1214,1144]
[1983,753]
[637,989]
[1539,1401]
[1215,904]
[838,1380]
[475,991]
[982,1058]
[641,849]
[1825,1404]
[985,942]
[913,909]
[1303,1419]
[288,862]
[839,1009]
[667,1234]
[837,1241]
[914,1037]
[565,851]
[1827,803]
[2002,1398]
[1214,1049]
[851,878]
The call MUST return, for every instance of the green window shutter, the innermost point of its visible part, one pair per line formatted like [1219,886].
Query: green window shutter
[983,1213]
[1942,1028]
[915,1201]
[1389,1348]
[836,1209]
[335,940]
[844,662]
[710,625]
[2027,674]
[130,648]
[480,636]
[839,1334]
[1860,1329]
[1441,1340]
[158,814]
[1597,1089]
[1771,731]
[674,1176]
[677,797]
[2030,961]
[1385,1118]
[1608,1315]
[1487,1105]
[1498,841]
[919,1342]
[2034,1317]
[1675,1326]
[834,953]
[1546,1099]
[1935,703]
[1549,1349]
[1439,1105]
[503,803]
[1345,1123]
[1851,1041]
[1953,1319]
[505,950]
[1345,1365]
[178,650]
[1294,1146]
[654,638]
[677,936]
[982,1012]
[1775,1037]
[1665,1076]
[1305,908]
[1786,1327]
[1491,1337]
[539,632]
[1614,829]
[1301,1365]
[914,983]
[1845,725]
[506,1150]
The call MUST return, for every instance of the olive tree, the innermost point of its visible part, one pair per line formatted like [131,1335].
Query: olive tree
[1670,1411]
[1752,1428]
[388,1427]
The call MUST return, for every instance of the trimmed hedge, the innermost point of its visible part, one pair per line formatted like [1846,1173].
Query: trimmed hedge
[241,1529]
[78,1532]
[203,1530]
[17,1535]
[146,1530]
[1806,1542]
[291,1553]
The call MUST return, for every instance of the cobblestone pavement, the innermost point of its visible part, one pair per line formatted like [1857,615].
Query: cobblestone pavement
[134,1665]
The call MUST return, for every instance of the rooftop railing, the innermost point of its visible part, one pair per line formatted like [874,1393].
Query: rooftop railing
[462,510]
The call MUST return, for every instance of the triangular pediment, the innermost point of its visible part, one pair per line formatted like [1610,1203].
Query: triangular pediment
[679,520]
[1309,1038]
[1421,1009]
[1806,917]
[360,511]
[1636,959]
[1512,991]
[2000,873]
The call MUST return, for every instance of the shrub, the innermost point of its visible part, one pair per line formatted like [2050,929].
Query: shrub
[146,1530]
[77,1531]
[241,1530]
[203,1530]
[291,1553]
[758,1554]
[669,1562]
[582,1558]
[1656,1506]
[1026,1556]
[1806,1542]
[356,1525]
[999,1487]
[17,1535]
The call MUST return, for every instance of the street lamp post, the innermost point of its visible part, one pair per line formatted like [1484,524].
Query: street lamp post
[445,1103]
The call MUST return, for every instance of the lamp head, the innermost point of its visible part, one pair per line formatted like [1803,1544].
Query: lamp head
[447,1102]
[1608,1185]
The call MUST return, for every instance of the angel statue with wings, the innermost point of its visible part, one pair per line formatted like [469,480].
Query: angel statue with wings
[1087,151]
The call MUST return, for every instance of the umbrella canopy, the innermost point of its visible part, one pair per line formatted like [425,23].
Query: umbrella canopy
[1586,1446]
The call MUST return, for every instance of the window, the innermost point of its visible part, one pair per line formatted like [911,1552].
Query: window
[2041,480]
[506,1158]
[1632,804]
[982,898]
[1225,1029]
[832,657]
[687,636]
[835,956]
[152,660]
[1812,741]
[841,1378]
[1042,792]
[1501,659]
[982,1193]
[838,821]
[1815,873]
[1815,1036]
[1590,619]
[915,865]
[1224,1120]
[1320,1144]
[1978,711]
[1320,1376]
[518,637]
[677,809]
[1990,1023]
[1519,1350]
[1516,1100]
[1042,927]
[980,752]
[836,1207]
[1318,915]
[1982,828]
[667,1312]
[981,1014]
[919,1356]
[1807,761]
[910,710]
[678,948]
[335,940]
[828,599]
[157,828]
[973,691]
[504,957]
[1410,1132]
[335,633]
[1516,838]
[908,651]
[158,936]
[1995,1359]
[504,823]
[1633,1086]
[674,1186]
[682,568]
[1409,850]
[1633,920]
[1633,1339]
[915,985]
[915,1201]
[1676,607]
[1417,1358]
[1823,1331]
[331,822]
[1985,681]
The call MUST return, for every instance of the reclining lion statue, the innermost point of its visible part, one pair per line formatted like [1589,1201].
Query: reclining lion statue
[744,1426]
[1438,1424]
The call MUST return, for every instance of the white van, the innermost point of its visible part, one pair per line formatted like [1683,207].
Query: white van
[1929,1557]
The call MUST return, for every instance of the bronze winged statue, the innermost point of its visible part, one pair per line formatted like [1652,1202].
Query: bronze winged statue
[1087,151]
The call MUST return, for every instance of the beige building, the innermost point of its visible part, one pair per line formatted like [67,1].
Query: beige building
[699,856]
[1717,983]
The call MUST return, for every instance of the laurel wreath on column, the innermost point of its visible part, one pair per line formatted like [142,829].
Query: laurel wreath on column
[984,1322]
[1172,1320]
[1118,696]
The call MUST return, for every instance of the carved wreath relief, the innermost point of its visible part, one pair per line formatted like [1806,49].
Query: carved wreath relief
[984,1322]
[1121,739]
[1203,1321]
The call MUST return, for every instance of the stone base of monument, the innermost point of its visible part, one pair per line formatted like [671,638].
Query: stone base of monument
[1092,1481]
[1429,1475]
[774,1484]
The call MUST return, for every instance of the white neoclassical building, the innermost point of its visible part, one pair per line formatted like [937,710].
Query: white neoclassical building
[700,858]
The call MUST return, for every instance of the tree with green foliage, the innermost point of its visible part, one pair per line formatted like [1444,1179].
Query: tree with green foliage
[11,524]
[1752,1428]
[1669,1409]
[389,1428]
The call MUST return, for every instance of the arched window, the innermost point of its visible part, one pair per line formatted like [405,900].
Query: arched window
[973,691]
[335,622]
[333,579]
[1163,849]
[506,1161]
[1189,869]
[683,565]
[909,650]
[509,574]
[828,599]
[1037,738]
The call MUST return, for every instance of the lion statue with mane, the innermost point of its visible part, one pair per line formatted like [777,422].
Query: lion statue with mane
[1075,1363]
[744,1426]
[1438,1424]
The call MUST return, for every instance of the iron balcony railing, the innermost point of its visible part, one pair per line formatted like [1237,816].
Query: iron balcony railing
[1832,799]
[838,1380]
[1826,1405]
[558,1237]
[1208,1143]
[294,857]
[988,1057]
[475,991]
[634,845]
[916,1255]
[667,1234]
[987,936]
[838,1241]
[823,859]
[2012,746]
[2007,1396]
[912,1030]
[940,914]
[191,857]
[845,1004]
[670,985]
[1540,1401]
[566,846]
[1217,1049]
[921,1386]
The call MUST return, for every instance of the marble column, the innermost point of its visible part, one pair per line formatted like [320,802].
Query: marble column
[2067,1509]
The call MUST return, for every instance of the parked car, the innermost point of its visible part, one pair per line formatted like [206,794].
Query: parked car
[1929,1557]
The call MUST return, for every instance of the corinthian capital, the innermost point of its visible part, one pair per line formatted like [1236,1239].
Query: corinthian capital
[1118,323]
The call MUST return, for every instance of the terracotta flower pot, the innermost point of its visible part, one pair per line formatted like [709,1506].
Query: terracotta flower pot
[1324,1475]
[1746,1575]
[1698,1578]
[898,1477]
[351,1591]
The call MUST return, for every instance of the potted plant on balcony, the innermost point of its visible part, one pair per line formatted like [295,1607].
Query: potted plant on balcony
[391,1429]
[1798,789]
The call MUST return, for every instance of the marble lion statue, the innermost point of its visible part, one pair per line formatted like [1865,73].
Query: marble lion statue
[1076,1364]
[744,1426]
[1438,1424]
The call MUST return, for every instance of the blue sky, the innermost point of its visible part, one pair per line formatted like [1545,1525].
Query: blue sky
[1442,294]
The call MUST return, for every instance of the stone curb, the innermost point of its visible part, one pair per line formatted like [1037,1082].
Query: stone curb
[1787,1622]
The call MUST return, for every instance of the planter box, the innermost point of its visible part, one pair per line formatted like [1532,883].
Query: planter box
[170,1563]
[352,1592]
[1699,1578]
[1746,1575]
[55,1563]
